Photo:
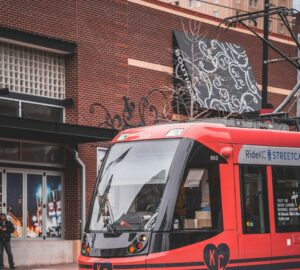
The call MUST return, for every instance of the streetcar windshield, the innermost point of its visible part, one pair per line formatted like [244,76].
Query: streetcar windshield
[132,183]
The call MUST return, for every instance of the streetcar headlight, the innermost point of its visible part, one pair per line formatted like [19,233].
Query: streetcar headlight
[138,244]
[131,249]
[85,249]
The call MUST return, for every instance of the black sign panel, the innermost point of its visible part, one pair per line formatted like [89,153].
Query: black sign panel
[211,74]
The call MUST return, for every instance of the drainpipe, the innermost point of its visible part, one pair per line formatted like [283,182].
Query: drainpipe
[83,186]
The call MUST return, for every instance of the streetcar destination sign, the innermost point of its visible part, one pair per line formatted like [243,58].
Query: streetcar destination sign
[251,154]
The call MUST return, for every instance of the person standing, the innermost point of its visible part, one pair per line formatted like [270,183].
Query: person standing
[6,229]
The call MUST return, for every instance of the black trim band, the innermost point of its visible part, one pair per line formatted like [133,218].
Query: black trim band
[65,47]
[275,266]
[265,259]
[159,265]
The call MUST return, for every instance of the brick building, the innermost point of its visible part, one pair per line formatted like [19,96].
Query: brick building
[70,72]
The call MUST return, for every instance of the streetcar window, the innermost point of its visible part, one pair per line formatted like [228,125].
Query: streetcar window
[198,203]
[254,199]
[286,183]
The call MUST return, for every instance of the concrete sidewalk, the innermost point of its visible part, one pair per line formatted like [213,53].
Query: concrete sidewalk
[69,266]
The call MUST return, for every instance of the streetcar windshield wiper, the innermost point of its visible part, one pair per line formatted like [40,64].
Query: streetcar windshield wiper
[105,209]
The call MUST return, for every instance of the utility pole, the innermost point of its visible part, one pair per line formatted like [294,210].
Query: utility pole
[264,94]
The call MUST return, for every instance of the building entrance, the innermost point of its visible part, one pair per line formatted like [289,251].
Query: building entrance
[32,199]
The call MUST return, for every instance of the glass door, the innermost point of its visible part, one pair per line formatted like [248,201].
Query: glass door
[54,206]
[32,200]
[34,206]
[14,198]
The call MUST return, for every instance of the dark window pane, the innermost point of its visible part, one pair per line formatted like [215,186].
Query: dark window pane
[9,107]
[34,205]
[286,182]
[54,207]
[42,153]
[15,201]
[254,199]
[41,112]
[9,150]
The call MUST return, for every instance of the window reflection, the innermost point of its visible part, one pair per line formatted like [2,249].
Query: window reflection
[42,153]
[9,107]
[15,201]
[54,207]
[34,206]
[31,152]
[42,112]
[10,150]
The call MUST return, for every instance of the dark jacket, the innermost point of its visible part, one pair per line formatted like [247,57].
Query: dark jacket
[6,235]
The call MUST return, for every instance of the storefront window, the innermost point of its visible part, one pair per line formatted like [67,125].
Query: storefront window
[33,199]
[54,206]
[9,107]
[34,205]
[34,152]
[30,110]
[10,150]
[42,112]
[15,201]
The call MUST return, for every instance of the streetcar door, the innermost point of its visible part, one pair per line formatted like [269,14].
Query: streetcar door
[253,216]
[286,211]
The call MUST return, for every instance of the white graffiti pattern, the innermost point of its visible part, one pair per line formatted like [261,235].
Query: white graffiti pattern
[217,75]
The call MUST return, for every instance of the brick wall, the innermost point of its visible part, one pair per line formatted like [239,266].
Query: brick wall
[107,33]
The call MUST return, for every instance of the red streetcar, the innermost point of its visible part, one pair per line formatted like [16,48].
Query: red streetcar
[197,196]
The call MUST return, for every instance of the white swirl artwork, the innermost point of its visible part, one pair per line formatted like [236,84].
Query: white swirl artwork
[215,74]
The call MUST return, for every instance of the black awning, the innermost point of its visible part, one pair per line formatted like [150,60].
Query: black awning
[36,130]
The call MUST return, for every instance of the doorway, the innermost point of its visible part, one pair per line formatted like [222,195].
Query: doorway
[32,199]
